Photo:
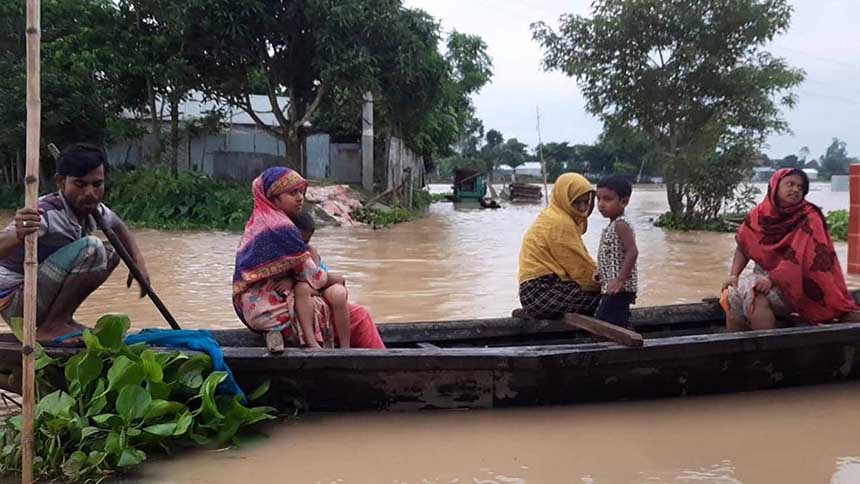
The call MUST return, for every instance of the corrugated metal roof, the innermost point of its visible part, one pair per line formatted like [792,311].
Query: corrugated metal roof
[195,107]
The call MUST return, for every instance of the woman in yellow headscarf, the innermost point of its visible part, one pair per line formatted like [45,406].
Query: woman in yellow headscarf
[556,273]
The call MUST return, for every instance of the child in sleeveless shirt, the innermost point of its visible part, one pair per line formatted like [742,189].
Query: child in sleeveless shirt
[617,254]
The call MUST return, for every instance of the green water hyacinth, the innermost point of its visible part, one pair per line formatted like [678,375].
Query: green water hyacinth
[110,405]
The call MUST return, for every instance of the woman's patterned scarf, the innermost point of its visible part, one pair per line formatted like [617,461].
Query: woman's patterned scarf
[271,244]
[794,246]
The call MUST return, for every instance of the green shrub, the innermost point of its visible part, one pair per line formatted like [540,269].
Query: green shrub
[674,221]
[837,220]
[383,218]
[156,198]
[106,407]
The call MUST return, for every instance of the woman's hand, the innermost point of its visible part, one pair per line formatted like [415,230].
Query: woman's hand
[763,285]
[731,281]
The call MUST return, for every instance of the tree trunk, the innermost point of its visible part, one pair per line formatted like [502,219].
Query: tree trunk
[293,158]
[674,194]
[155,130]
[174,134]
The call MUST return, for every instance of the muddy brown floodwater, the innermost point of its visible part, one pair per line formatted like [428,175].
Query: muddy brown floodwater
[461,262]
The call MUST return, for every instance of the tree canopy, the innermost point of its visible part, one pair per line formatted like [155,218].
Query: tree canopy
[692,76]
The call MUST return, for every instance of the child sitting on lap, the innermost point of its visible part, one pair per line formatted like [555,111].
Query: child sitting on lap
[335,294]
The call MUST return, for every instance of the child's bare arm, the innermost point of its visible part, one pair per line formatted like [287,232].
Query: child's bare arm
[315,255]
[631,253]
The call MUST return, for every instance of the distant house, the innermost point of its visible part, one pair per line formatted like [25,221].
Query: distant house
[762,174]
[812,173]
[529,168]
[240,145]
[503,171]
[242,149]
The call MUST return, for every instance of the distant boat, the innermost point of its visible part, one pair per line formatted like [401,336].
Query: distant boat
[469,186]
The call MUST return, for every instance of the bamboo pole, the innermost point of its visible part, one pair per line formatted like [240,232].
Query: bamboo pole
[34,113]
[542,164]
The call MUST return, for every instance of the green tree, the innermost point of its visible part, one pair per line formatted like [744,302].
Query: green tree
[494,138]
[835,161]
[512,153]
[694,77]
[790,161]
[153,35]
[804,154]
[78,64]
[452,118]
[423,95]
[299,50]
[557,156]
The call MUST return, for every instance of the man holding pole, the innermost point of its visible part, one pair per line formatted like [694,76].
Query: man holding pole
[72,262]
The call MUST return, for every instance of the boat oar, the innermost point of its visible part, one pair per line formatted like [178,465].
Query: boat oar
[135,272]
[126,257]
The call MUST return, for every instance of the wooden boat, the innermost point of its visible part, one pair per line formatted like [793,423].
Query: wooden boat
[492,363]
[469,185]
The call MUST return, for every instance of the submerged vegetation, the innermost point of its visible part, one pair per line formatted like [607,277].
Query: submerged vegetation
[380,216]
[108,407]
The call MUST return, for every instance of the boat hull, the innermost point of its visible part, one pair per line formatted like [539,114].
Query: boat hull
[503,362]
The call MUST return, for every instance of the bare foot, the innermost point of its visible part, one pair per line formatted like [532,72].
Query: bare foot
[275,342]
[850,317]
[76,326]
[520,313]
[48,332]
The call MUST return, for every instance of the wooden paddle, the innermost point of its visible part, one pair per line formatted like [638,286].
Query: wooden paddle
[126,257]
[603,329]
[135,271]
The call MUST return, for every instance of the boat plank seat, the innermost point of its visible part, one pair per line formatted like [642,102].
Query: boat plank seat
[603,329]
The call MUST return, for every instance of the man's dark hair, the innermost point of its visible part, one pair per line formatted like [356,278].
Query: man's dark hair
[617,184]
[803,176]
[78,159]
[305,223]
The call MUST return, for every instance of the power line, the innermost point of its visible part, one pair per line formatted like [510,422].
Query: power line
[819,57]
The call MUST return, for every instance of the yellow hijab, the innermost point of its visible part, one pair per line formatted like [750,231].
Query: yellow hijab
[553,244]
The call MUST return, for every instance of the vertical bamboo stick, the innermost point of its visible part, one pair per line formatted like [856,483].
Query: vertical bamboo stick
[542,163]
[34,112]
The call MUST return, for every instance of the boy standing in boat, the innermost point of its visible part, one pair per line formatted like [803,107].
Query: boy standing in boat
[617,254]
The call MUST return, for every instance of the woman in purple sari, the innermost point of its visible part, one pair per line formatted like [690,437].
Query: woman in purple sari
[271,257]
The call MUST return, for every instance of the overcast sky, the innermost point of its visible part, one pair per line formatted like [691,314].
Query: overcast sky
[824,40]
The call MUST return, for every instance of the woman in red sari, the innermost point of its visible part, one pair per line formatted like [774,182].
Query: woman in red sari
[797,271]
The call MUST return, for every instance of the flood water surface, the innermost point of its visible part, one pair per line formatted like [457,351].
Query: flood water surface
[795,436]
[461,262]
[458,262]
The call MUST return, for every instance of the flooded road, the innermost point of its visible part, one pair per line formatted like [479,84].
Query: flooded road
[461,262]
